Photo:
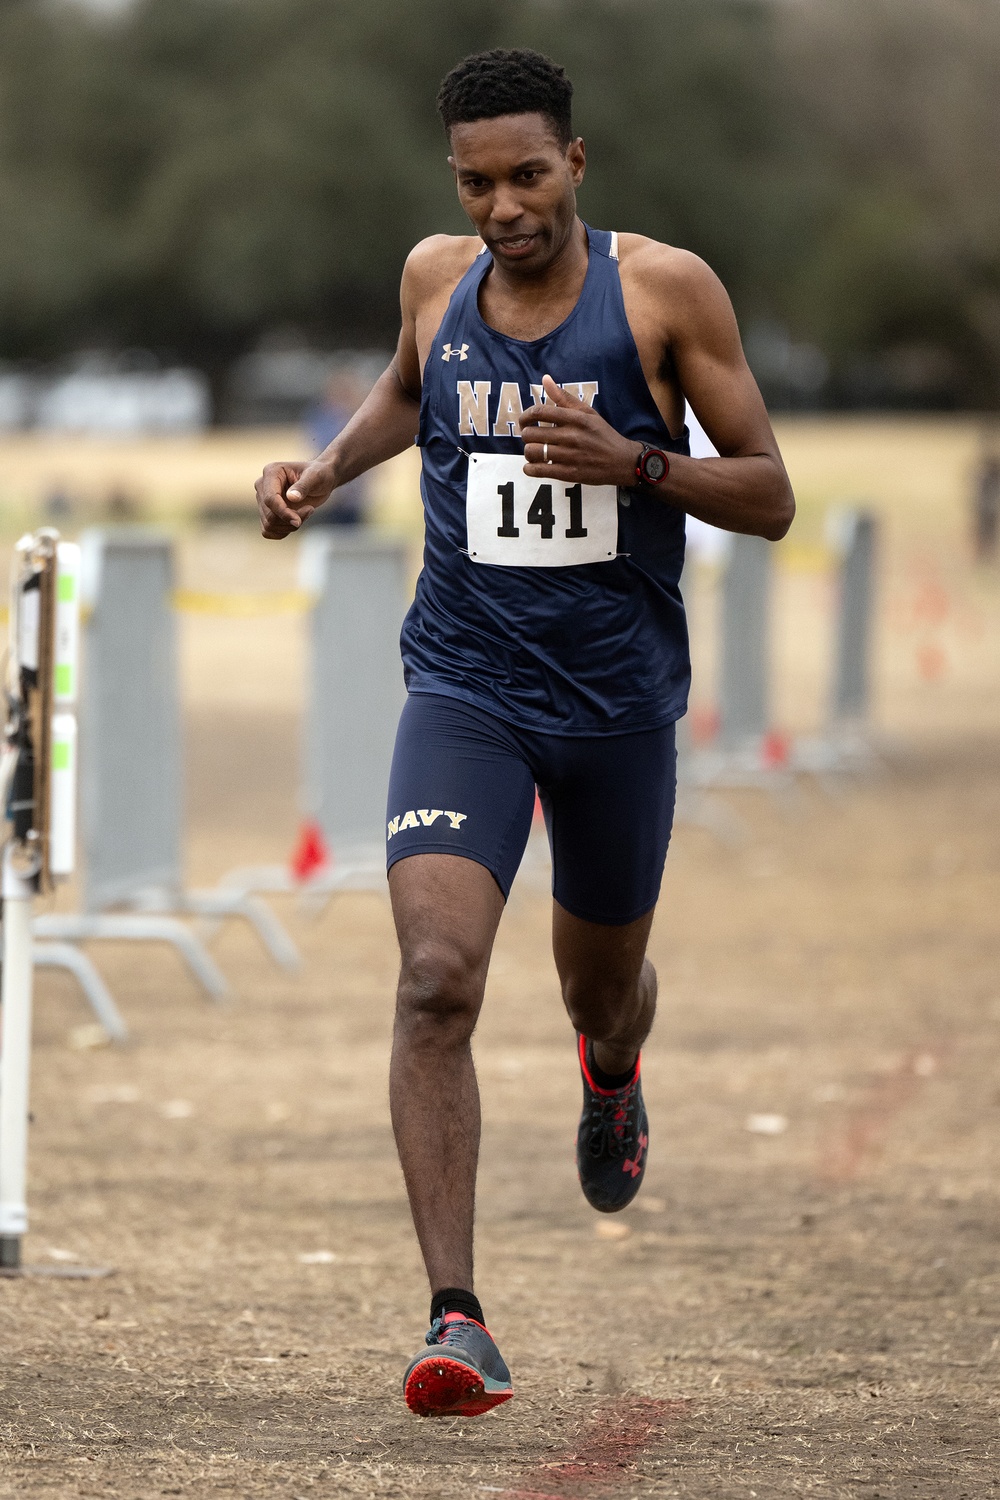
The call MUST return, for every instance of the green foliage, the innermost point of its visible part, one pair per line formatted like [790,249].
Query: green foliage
[191,173]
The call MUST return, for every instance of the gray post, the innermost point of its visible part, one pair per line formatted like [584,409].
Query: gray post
[356,688]
[854,625]
[130,763]
[130,731]
[744,669]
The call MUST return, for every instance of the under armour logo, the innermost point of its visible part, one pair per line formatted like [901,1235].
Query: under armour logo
[634,1166]
[459,354]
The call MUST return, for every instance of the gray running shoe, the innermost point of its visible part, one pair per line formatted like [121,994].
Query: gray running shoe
[463,1375]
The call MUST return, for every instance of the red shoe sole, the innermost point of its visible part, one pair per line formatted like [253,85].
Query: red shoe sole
[440,1387]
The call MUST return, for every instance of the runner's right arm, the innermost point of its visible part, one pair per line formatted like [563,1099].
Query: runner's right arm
[385,424]
[387,421]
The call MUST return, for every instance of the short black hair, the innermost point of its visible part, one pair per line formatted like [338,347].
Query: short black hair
[507,81]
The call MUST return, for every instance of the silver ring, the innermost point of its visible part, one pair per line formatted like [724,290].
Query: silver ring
[545,453]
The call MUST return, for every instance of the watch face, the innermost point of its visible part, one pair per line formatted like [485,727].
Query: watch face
[654,466]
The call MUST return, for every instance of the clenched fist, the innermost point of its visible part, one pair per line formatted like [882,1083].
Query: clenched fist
[288,493]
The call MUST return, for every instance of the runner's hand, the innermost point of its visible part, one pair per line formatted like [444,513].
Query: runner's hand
[288,493]
[582,447]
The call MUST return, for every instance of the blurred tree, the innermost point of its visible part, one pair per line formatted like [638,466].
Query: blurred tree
[189,174]
[901,281]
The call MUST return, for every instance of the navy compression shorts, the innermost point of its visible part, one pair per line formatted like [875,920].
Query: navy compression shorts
[463,782]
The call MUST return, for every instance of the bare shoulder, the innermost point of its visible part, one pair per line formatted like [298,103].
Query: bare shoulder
[666,268]
[675,295]
[437,264]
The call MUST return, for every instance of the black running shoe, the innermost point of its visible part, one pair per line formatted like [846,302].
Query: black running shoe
[463,1375]
[613,1139]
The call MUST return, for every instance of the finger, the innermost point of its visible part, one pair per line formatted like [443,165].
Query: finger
[561,471]
[294,516]
[547,453]
[558,396]
[270,489]
[275,507]
[313,485]
[274,530]
[274,523]
[541,411]
[277,477]
[287,522]
[549,416]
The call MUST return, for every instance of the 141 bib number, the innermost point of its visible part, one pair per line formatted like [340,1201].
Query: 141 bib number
[518,522]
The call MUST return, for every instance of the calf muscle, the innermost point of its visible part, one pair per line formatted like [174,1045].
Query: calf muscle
[446,911]
[608,984]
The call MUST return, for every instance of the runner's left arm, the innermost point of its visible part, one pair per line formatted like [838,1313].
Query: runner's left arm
[746,489]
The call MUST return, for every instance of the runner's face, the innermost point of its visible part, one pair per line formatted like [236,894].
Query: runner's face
[518,185]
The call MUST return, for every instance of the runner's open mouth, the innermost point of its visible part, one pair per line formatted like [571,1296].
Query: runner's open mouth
[514,243]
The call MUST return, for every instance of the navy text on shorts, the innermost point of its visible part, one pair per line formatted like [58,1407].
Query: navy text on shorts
[463,782]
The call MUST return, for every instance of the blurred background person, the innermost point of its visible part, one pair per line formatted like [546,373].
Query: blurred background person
[986,507]
[345,391]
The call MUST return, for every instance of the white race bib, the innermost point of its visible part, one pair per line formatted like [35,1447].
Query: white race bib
[518,522]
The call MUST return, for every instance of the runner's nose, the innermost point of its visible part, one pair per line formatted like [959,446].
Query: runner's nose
[506,209]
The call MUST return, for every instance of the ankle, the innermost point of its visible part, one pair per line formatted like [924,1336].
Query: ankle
[457,1299]
[614,1068]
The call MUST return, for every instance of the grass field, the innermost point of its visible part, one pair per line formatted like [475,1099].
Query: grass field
[809,1312]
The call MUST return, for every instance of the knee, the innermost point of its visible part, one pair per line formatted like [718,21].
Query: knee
[601,1007]
[598,1009]
[439,996]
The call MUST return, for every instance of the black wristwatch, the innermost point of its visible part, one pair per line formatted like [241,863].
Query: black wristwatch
[652,467]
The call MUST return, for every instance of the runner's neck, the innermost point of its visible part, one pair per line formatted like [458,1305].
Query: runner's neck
[529,307]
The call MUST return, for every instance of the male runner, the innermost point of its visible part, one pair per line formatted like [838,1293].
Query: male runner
[542,367]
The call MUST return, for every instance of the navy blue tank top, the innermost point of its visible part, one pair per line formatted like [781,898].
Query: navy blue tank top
[598,647]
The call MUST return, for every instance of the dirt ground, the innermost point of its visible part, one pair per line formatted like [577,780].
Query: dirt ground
[805,1298]
[810,1312]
